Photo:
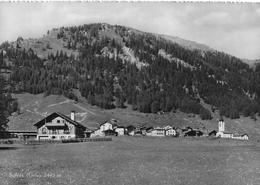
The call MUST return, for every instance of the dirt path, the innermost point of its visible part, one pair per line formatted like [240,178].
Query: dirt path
[66,101]
[83,108]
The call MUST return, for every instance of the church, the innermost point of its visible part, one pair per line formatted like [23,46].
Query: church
[222,134]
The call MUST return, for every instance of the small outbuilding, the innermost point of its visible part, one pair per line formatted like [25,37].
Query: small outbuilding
[213,133]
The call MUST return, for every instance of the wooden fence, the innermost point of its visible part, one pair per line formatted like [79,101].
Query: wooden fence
[37,142]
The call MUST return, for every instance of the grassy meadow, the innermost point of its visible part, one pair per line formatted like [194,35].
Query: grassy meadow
[133,160]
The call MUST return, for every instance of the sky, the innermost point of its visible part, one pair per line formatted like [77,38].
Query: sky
[230,27]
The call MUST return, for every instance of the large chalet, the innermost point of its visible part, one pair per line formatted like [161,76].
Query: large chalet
[57,126]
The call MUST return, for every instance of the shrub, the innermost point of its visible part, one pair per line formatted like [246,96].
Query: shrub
[205,114]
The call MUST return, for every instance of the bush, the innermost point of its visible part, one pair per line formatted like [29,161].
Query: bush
[205,114]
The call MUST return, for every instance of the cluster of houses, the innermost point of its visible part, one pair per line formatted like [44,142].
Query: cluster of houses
[108,128]
[57,126]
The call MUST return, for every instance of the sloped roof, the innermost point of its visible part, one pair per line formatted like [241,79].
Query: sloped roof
[227,133]
[105,123]
[57,114]
[120,127]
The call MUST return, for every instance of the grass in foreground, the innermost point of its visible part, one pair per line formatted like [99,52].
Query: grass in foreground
[131,160]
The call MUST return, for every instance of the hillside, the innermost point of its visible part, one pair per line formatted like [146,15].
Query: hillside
[45,45]
[35,107]
[188,44]
[120,69]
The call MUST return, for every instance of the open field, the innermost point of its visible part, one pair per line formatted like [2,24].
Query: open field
[134,160]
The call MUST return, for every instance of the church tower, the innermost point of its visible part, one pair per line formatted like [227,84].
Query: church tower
[221,125]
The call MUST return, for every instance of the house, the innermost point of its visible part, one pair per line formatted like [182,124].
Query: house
[158,131]
[186,129]
[106,126]
[110,133]
[130,130]
[88,132]
[212,133]
[138,131]
[97,133]
[57,126]
[120,130]
[244,137]
[143,130]
[241,137]
[179,132]
[131,133]
[169,131]
[193,133]
[149,129]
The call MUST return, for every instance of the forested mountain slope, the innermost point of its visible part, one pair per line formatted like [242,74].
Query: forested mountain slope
[115,66]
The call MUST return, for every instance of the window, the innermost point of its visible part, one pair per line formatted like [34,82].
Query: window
[58,121]
[44,131]
[54,131]
[66,131]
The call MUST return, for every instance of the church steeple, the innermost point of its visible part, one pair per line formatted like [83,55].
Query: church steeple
[221,125]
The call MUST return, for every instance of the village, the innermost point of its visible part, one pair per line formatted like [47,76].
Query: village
[58,126]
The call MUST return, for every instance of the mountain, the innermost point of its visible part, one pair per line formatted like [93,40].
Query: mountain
[192,45]
[251,63]
[113,66]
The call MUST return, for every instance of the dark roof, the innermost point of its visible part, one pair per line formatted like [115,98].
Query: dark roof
[213,132]
[109,131]
[56,114]
[120,127]
[149,128]
[104,123]
[169,129]
[228,133]
[158,128]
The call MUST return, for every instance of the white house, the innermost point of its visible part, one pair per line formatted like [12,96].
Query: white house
[132,133]
[120,130]
[241,137]
[102,127]
[244,137]
[158,131]
[106,126]
[97,133]
[170,132]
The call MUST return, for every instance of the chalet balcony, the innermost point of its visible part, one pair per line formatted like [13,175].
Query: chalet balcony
[55,124]
[55,132]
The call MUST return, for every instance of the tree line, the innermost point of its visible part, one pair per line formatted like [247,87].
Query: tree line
[107,80]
